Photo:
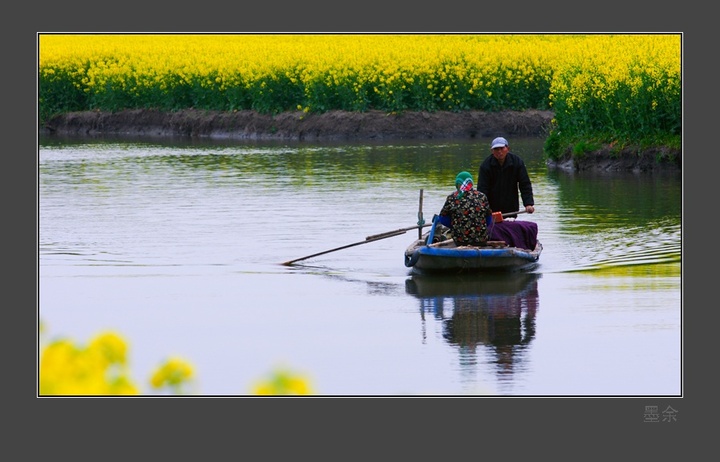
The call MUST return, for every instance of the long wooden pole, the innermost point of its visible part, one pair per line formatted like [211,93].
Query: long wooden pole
[421,221]
[373,238]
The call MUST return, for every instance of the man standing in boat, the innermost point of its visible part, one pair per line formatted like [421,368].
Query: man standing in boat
[501,175]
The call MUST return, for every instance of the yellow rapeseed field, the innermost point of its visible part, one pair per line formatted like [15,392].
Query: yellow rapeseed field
[614,83]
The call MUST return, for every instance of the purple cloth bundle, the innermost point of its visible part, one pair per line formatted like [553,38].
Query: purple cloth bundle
[522,234]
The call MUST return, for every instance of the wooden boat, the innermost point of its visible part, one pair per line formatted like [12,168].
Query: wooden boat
[445,256]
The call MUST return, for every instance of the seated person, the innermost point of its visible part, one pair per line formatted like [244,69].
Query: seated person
[466,213]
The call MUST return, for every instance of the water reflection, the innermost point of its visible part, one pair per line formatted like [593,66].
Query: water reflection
[300,164]
[493,312]
[615,219]
[592,201]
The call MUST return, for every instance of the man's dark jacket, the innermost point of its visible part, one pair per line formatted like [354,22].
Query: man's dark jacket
[501,183]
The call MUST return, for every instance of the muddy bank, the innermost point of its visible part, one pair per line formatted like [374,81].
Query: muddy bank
[348,126]
[333,125]
[630,159]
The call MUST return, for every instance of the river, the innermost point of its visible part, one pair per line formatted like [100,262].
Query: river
[177,246]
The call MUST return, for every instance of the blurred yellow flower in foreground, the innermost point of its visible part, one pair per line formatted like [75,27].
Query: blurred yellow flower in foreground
[98,369]
[283,382]
[101,368]
[174,373]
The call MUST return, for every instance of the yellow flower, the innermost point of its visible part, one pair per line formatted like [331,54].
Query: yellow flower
[173,373]
[283,382]
[99,369]
[111,346]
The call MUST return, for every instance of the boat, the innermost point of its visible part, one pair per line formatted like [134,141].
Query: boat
[435,251]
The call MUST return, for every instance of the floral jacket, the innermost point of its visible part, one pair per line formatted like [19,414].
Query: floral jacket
[468,217]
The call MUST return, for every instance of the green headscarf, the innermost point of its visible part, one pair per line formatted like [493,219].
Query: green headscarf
[463,182]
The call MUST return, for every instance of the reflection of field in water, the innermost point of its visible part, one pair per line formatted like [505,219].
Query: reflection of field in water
[658,243]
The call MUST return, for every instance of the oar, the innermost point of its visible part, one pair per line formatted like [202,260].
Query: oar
[376,237]
[373,238]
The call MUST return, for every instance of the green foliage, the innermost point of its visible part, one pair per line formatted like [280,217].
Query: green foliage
[644,108]
[583,147]
[554,146]
[59,92]
[320,94]
[274,93]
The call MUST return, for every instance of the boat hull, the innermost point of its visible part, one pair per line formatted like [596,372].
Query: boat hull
[449,258]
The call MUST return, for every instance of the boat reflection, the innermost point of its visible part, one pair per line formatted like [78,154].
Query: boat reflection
[495,312]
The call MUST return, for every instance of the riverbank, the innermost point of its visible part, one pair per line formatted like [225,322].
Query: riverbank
[350,126]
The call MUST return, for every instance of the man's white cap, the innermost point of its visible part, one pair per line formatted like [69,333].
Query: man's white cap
[498,143]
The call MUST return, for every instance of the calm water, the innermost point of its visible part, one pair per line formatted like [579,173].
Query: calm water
[178,246]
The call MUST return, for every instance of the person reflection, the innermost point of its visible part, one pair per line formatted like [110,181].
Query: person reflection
[503,323]
[495,314]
